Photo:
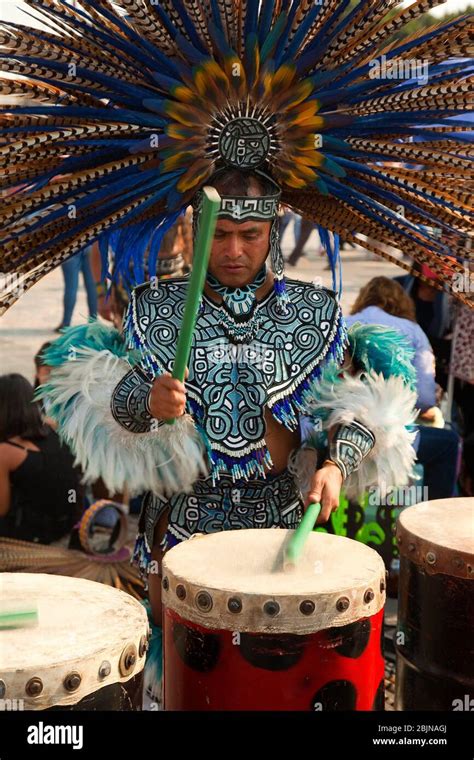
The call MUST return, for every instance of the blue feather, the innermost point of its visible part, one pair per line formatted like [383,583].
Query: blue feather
[272,39]
[250,22]
[91,199]
[332,251]
[358,166]
[219,41]
[195,41]
[156,239]
[67,44]
[98,216]
[280,56]
[194,55]
[301,32]
[134,51]
[118,87]
[217,19]
[130,117]
[360,202]
[393,198]
[324,37]
[143,50]
[438,32]
[265,21]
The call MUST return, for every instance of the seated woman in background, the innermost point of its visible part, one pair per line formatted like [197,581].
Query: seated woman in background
[40,490]
[383,301]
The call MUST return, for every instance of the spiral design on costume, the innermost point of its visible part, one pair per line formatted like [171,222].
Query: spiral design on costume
[309,339]
[161,334]
[282,319]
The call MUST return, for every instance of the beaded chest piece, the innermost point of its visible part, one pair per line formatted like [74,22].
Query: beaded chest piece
[244,357]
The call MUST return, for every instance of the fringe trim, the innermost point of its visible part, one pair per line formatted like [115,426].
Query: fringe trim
[141,556]
[287,409]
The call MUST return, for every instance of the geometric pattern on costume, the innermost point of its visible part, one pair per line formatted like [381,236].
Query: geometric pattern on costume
[351,443]
[262,502]
[129,402]
[229,384]
[239,305]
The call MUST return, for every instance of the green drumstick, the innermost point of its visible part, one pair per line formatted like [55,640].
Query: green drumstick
[202,250]
[297,541]
[18,615]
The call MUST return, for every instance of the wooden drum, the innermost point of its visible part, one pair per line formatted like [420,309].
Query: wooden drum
[86,651]
[434,640]
[241,633]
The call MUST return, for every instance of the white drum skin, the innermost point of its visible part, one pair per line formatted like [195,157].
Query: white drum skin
[89,637]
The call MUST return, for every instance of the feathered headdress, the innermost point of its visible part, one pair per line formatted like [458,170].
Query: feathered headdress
[133,104]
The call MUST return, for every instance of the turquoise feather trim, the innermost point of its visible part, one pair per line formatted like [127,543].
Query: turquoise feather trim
[373,348]
[87,364]
[94,335]
[384,350]
[381,395]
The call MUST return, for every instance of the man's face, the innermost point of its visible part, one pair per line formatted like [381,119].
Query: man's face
[238,251]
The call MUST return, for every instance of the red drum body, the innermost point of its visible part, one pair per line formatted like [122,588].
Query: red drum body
[240,633]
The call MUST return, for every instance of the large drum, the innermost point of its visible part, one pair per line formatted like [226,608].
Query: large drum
[434,640]
[86,651]
[241,633]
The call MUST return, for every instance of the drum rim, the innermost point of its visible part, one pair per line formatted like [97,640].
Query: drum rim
[216,608]
[429,553]
[55,685]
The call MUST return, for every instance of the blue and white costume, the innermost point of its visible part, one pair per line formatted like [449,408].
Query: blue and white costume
[213,470]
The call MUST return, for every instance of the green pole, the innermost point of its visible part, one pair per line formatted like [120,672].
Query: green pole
[297,541]
[202,250]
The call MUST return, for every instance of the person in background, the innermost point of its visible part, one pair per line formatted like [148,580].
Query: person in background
[42,372]
[71,268]
[40,491]
[462,370]
[433,314]
[305,229]
[383,301]
[174,260]
[287,217]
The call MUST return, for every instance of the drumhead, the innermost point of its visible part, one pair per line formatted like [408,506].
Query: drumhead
[235,580]
[439,535]
[88,636]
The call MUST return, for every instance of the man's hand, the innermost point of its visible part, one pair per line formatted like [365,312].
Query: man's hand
[167,397]
[325,488]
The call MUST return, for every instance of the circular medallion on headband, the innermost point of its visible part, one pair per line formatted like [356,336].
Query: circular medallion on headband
[244,143]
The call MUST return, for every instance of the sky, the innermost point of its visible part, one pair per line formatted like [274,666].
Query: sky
[449,7]
[9,12]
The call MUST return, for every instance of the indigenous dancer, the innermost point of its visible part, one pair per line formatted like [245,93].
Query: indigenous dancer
[143,104]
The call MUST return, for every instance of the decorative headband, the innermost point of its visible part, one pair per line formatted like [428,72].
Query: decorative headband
[240,208]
